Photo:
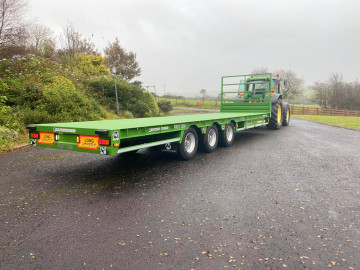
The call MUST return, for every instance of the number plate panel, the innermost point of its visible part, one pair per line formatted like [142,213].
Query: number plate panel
[88,142]
[46,138]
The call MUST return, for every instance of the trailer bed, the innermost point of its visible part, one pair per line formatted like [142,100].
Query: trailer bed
[125,135]
[149,122]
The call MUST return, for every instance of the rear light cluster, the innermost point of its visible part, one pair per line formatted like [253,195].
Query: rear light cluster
[39,137]
[104,142]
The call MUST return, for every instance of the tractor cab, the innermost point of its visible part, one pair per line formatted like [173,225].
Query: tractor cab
[258,89]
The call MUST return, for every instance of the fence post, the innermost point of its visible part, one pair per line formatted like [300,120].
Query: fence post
[317,111]
[303,110]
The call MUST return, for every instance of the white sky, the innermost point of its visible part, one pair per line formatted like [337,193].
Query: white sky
[188,45]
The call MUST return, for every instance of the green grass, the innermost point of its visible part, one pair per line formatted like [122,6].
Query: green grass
[193,103]
[342,121]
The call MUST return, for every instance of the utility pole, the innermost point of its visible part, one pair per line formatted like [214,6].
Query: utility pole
[116,94]
[147,88]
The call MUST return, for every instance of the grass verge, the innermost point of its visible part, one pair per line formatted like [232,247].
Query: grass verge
[341,121]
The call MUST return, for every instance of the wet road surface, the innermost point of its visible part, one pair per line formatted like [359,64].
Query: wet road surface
[286,199]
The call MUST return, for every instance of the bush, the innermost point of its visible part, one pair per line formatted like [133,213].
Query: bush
[10,119]
[7,135]
[131,97]
[127,114]
[37,117]
[165,106]
[62,100]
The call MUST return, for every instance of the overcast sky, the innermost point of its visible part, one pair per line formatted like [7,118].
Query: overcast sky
[188,45]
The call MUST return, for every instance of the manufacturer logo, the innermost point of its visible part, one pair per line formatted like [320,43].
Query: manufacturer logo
[64,130]
[154,129]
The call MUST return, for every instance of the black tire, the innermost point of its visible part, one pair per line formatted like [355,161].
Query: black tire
[227,136]
[189,144]
[286,115]
[210,139]
[276,115]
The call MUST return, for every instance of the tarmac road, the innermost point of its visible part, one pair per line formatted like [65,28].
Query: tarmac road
[274,200]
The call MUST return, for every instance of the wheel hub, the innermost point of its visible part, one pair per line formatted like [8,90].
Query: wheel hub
[189,142]
[212,137]
[229,133]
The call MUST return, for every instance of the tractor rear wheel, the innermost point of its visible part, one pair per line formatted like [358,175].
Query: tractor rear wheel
[276,118]
[286,115]
[189,144]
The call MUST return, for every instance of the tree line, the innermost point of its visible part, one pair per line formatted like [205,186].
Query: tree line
[47,79]
[337,94]
[18,37]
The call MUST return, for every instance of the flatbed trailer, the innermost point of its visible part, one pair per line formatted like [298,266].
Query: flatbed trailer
[244,105]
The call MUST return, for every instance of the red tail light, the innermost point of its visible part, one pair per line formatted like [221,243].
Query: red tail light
[104,142]
[35,135]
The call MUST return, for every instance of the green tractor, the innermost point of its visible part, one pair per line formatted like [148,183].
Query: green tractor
[262,88]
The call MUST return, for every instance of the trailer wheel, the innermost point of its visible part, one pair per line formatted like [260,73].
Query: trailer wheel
[210,139]
[189,144]
[286,115]
[228,135]
[276,118]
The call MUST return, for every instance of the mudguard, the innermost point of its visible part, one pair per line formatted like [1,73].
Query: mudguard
[275,97]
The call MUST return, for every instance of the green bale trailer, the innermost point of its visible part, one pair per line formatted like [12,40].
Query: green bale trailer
[247,101]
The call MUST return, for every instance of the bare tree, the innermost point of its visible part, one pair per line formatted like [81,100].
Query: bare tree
[294,86]
[321,95]
[12,27]
[86,46]
[337,94]
[72,43]
[260,70]
[70,40]
[41,39]
[203,92]
[125,62]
